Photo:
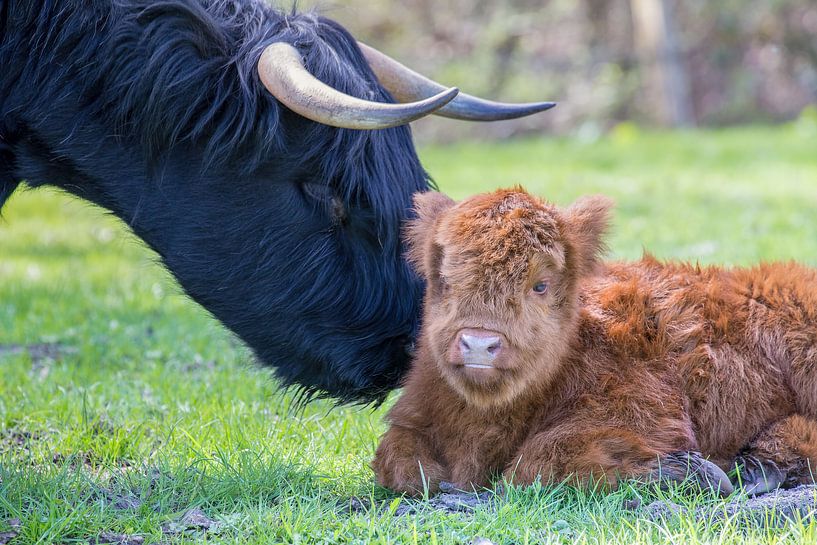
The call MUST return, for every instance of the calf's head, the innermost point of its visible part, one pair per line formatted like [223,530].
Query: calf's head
[502,271]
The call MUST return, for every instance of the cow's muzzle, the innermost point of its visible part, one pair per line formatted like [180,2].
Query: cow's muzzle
[478,349]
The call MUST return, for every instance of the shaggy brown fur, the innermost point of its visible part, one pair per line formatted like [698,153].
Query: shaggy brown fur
[597,371]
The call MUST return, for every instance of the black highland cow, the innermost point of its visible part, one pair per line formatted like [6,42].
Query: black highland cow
[261,194]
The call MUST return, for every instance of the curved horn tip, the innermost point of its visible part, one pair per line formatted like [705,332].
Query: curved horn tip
[406,85]
[469,108]
[544,106]
[445,96]
[536,107]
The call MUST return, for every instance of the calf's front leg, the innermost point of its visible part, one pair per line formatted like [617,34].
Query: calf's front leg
[405,462]
[605,455]
[608,455]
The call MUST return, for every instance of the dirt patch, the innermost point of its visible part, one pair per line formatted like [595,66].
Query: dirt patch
[6,537]
[43,356]
[772,509]
[38,352]
[75,460]
[192,521]
[18,437]
[17,440]
[125,501]
[456,501]
[119,539]
[449,500]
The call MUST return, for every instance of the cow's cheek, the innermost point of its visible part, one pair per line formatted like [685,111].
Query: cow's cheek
[441,328]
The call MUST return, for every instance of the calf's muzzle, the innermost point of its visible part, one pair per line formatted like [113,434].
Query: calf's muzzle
[477,348]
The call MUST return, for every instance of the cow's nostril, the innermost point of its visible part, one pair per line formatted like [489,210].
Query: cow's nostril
[494,347]
[464,347]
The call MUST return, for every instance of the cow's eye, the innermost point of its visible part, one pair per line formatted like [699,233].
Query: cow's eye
[540,287]
[325,196]
[317,192]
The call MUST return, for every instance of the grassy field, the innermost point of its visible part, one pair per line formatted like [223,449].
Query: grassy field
[123,405]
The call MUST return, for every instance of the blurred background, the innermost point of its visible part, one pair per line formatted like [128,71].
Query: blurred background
[664,63]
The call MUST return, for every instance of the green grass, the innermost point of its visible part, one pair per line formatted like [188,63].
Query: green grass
[148,398]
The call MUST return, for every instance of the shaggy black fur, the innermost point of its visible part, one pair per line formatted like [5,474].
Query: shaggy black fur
[286,230]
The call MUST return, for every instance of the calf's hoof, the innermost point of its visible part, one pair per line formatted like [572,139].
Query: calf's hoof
[758,476]
[691,466]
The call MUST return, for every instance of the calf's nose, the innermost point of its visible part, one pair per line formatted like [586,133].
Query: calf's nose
[479,347]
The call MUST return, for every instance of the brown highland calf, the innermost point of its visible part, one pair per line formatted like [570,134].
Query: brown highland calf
[535,359]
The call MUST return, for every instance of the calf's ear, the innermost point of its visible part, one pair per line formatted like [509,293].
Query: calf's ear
[423,253]
[587,222]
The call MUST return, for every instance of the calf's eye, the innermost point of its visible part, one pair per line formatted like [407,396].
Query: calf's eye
[540,287]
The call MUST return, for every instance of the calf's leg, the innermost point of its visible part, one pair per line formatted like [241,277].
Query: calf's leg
[405,462]
[784,454]
[609,455]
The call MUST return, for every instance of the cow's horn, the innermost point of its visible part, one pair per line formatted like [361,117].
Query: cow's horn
[407,85]
[284,75]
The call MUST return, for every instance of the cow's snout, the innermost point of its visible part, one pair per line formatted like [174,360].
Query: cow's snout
[477,347]
[485,346]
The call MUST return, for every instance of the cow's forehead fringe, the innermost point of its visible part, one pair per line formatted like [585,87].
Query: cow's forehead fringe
[495,235]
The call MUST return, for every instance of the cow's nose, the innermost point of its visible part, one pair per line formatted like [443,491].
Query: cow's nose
[479,348]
